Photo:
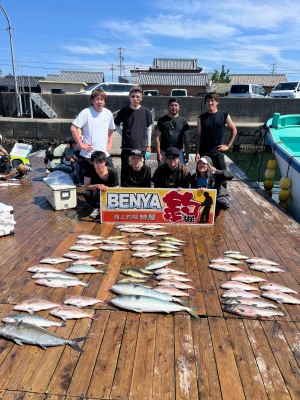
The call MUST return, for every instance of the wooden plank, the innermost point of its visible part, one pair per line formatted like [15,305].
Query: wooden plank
[143,372]
[185,365]
[291,334]
[270,373]
[231,385]
[207,375]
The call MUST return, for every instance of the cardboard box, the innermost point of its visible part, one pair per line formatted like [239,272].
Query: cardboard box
[7,222]
[60,196]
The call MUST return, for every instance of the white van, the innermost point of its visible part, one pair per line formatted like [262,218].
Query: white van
[178,92]
[287,90]
[246,90]
[110,88]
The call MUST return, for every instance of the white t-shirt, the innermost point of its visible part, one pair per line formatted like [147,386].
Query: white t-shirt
[95,128]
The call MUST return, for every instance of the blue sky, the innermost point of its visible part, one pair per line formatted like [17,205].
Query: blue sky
[249,36]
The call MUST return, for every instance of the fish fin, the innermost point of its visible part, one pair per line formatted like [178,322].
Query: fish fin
[75,346]
[96,316]
[19,342]
[182,302]
[191,310]
[63,324]
[80,339]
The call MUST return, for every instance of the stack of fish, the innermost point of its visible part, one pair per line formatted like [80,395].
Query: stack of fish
[239,298]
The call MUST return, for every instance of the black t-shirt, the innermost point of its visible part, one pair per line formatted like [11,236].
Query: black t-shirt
[111,181]
[132,178]
[212,131]
[172,131]
[164,177]
[135,124]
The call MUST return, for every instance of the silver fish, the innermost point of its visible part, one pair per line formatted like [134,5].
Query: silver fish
[89,242]
[236,256]
[58,282]
[172,291]
[143,248]
[128,226]
[239,293]
[36,320]
[252,311]
[54,260]
[260,260]
[50,274]
[111,247]
[149,304]
[70,312]
[265,268]
[237,285]
[35,304]
[168,245]
[76,256]
[82,301]
[227,260]
[143,241]
[247,278]
[140,290]
[156,233]
[180,278]
[131,279]
[89,237]
[153,226]
[134,273]
[83,269]
[112,241]
[88,261]
[82,247]
[280,297]
[166,270]
[43,268]
[23,333]
[131,230]
[224,267]
[176,284]
[261,303]
[117,237]
[276,286]
[231,252]
[169,254]
[145,254]
[156,264]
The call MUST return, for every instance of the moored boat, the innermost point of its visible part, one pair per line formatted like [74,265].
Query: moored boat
[283,135]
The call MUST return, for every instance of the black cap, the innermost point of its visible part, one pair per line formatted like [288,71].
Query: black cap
[4,159]
[172,151]
[173,100]
[136,153]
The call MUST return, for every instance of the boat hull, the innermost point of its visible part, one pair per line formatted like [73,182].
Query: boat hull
[283,135]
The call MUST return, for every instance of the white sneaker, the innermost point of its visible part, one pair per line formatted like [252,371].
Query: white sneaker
[47,171]
[95,213]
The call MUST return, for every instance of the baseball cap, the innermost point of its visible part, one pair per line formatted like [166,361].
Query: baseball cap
[172,151]
[136,153]
[173,100]
[206,160]
[136,88]
[4,159]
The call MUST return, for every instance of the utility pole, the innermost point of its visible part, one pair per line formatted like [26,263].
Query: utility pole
[273,68]
[113,67]
[120,51]
[18,99]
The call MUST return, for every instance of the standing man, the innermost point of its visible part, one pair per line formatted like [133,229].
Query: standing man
[172,131]
[136,129]
[172,174]
[93,129]
[210,132]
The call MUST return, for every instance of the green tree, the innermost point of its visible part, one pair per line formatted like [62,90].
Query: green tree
[221,77]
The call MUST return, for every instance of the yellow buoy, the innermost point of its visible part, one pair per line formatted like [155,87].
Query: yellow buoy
[271,164]
[284,195]
[270,174]
[268,185]
[285,183]
[284,205]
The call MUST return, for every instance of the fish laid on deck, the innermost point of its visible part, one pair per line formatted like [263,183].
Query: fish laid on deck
[35,319]
[237,285]
[247,278]
[135,273]
[89,242]
[149,304]
[156,264]
[83,269]
[226,260]
[239,293]
[82,247]
[275,286]
[54,260]
[252,311]
[280,297]
[76,256]
[143,241]
[89,237]
[66,312]
[143,248]
[82,301]
[177,277]
[88,261]
[172,291]
[50,274]
[145,254]
[112,247]
[265,268]
[43,268]
[261,303]
[61,283]
[260,260]
[176,284]
[23,333]
[225,267]
[166,270]
[35,304]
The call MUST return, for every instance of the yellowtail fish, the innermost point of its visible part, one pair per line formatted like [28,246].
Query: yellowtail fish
[88,261]
[131,230]
[152,226]
[169,254]
[131,279]
[118,237]
[237,256]
[128,226]
[168,249]
[231,252]
[156,264]
[174,240]
[134,273]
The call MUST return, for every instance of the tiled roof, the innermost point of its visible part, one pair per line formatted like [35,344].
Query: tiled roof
[76,76]
[175,63]
[169,79]
[262,79]
[9,81]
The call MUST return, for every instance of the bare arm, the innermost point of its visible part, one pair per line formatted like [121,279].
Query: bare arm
[110,139]
[198,139]
[76,133]
[233,131]
[159,156]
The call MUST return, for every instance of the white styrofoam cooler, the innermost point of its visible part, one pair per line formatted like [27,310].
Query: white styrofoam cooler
[60,196]
[7,222]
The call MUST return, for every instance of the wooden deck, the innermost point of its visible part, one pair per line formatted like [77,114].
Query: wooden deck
[152,356]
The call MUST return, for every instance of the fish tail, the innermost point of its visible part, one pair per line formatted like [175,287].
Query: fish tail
[96,316]
[74,345]
[191,310]
[182,302]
